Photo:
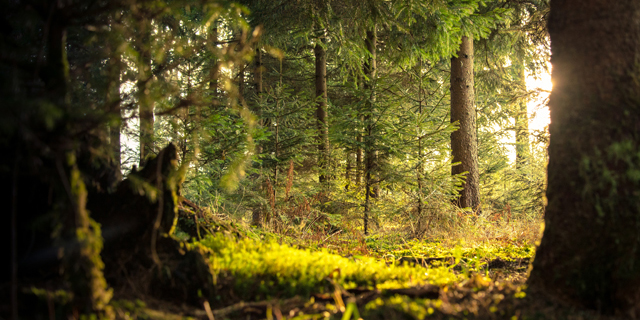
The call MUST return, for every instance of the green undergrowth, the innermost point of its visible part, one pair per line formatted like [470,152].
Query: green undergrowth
[437,249]
[266,269]
[262,265]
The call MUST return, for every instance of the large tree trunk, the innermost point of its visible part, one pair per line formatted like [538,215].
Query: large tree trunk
[321,107]
[369,152]
[589,255]
[464,145]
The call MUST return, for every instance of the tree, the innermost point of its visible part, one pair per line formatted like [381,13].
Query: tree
[521,122]
[464,147]
[144,86]
[369,149]
[589,253]
[321,105]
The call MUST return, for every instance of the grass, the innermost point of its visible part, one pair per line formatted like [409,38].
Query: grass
[324,271]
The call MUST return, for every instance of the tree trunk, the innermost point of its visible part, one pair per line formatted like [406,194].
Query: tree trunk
[464,145]
[589,253]
[83,266]
[258,212]
[215,68]
[369,152]
[241,81]
[258,72]
[145,101]
[113,105]
[522,124]
[114,108]
[321,107]
[359,158]
[419,167]
[347,171]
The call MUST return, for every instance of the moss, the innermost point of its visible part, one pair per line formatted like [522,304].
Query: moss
[269,269]
[86,272]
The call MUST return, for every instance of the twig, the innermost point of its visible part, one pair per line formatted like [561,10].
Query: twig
[331,235]
[244,305]
[207,309]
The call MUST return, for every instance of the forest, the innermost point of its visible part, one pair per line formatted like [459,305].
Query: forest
[320,159]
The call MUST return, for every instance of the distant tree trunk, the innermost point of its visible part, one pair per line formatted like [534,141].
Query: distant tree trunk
[464,146]
[258,71]
[419,167]
[369,152]
[214,71]
[241,82]
[359,158]
[522,124]
[113,101]
[348,169]
[257,217]
[321,107]
[240,37]
[589,255]
[145,101]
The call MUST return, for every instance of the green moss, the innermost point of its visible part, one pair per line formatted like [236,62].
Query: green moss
[422,249]
[268,269]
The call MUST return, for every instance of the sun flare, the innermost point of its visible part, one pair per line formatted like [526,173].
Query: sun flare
[537,106]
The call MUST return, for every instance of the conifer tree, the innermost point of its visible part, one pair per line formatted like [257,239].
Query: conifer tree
[588,254]
[464,148]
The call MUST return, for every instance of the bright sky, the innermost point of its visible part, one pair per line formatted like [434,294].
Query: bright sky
[538,110]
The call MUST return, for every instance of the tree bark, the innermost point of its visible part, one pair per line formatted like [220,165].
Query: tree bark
[113,101]
[321,107]
[359,158]
[589,254]
[215,68]
[83,266]
[369,152]
[258,72]
[464,146]
[347,170]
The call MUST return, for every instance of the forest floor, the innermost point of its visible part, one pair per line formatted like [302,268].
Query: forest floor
[342,275]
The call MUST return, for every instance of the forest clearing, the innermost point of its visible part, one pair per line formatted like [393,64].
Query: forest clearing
[320,159]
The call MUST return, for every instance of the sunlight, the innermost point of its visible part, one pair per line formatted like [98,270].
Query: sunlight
[537,106]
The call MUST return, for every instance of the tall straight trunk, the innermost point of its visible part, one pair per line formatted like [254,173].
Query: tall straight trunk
[258,72]
[113,102]
[589,254]
[359,158]
[257,214]
[321,107]
[419,167]
[145,101]
[522,124]
[215,68]
[359,150]
[369,152]
[464,145]
[348,169]
[241,82]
